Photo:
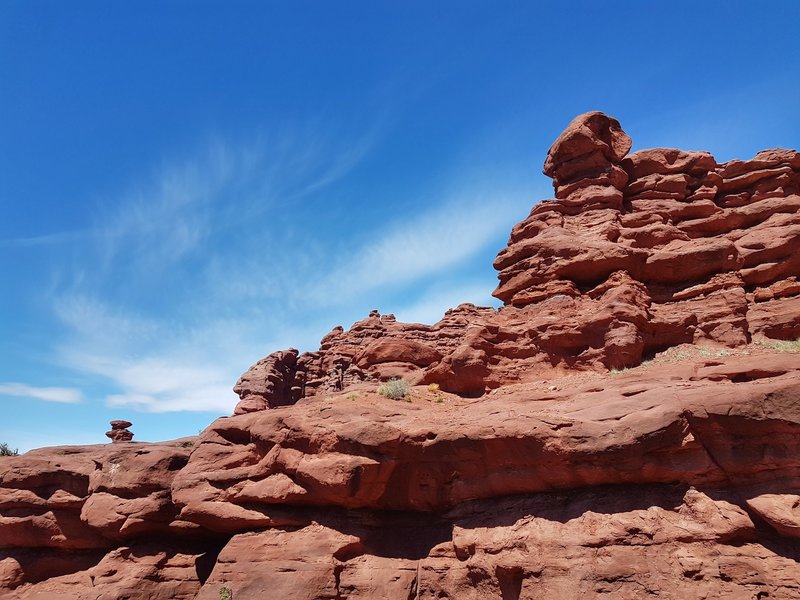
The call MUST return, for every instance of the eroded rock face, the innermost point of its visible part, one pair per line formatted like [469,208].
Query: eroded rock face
[80,522]
[530,470]
[375,349]
[90,497]
[636,254]
[683,473]
[700,424]
[711,249]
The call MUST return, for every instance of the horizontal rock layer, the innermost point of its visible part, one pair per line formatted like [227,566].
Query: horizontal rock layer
[677,472]
[638,253]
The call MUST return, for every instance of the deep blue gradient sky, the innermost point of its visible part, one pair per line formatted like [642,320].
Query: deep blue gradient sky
[188,186]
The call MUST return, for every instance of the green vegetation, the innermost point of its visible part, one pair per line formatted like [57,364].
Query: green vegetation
[5,450]
[225,593]
[396,389]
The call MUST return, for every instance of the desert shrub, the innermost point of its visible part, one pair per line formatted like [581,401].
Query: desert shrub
[5,450]
[395,389]
[433,387]
[782,345]
[225,593]
[713,352]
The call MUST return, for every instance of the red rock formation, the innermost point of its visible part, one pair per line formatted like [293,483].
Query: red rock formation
[676,473]
[635,255]
[119,431]
[375,349]
[530,471]
[702,244]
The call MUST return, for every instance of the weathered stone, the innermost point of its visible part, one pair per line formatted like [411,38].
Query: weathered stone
[534,455]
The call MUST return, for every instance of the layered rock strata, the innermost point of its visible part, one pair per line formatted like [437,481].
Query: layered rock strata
[706,252]
[530,470]
[636,254]
[681,474]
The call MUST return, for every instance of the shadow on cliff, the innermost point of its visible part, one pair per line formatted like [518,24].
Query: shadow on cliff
[40,564]
[389,534]
[410,535]
[566,505]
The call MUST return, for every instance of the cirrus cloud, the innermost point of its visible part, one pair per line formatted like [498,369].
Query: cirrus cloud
[48,394]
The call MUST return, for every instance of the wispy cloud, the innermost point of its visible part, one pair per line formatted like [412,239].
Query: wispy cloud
[431,242]
[49,394]
[192,203]
[166,384]
[157,365]
[49,239]
[98,324]
[148,308]
[219,260]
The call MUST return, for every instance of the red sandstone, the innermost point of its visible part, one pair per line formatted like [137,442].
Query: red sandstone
[552,459]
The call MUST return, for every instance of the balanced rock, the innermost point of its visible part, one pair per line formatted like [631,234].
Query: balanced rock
[119,431]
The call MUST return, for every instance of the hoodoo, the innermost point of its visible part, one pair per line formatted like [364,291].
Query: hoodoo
[119,431]
[626,424]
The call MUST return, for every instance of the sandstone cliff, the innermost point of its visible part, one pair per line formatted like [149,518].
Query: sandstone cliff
[627,424]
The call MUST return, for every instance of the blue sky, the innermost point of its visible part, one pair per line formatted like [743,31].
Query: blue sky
[188,186]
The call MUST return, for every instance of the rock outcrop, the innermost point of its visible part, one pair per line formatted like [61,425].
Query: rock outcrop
[119,431]
[636,254]
[548,461]
[677,249]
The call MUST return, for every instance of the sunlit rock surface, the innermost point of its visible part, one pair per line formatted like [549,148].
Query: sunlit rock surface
[627,425]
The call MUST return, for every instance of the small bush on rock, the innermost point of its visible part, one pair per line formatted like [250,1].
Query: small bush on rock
[782,345]
[395,389]
[5,450]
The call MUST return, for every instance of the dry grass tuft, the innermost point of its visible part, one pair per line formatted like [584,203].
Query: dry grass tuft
[791,346]
[395,389]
